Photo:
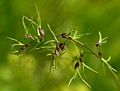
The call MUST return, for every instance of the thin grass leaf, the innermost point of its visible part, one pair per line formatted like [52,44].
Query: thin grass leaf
[89,68]
[12,39]
[109,58]
[35,47]
[72,78]
[37,38]
[106,62]
[38,16]
[77,42]
[51,72]
[52,67]
[83,70]
[15,40]
[14,49]
[47,47]
[110,68]
[112,71]
[103,65]
[49,54]
[83,79]
[75,33]
[24,25]
[52,33]
[30,20]
[16,45]
[30,23]
[80,35]
[33,23]
[100,37]
[87,34]
[49,41]
[33,27]
[84,34]
[102,40]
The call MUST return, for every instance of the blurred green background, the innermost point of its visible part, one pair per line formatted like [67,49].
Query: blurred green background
[30,72]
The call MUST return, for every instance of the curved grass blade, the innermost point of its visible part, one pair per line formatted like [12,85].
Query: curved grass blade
[15,40]
[106,62]
[83,79]
[49,41]
[47,47]
[52,67]
[72,78]
[100,37]
[103,65]
[101,40]
[24,25]
[52,33]
[89,68]
[38,16]
[83,69]
[110,68]
[30,20]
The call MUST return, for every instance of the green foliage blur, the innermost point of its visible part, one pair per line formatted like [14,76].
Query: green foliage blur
[30,72]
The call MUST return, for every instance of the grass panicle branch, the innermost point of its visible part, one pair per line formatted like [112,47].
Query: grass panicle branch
[56,47]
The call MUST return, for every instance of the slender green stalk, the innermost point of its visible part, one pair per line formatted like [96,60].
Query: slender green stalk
[89,68]
[50,41]
[15,40]
[25,27]
[73,77]
[52,67]
[85,47]
[38,14]
[82,78]
[109,67]
[31,21]
[53,33]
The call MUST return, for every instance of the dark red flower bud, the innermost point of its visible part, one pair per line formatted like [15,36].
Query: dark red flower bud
[97,44]
[24,47]
[99,54]
[28,36]
[76,65]
[64,35]
[81,60]
[42,34]
[57,51]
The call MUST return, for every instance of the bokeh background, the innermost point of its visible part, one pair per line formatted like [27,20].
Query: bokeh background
[30,72]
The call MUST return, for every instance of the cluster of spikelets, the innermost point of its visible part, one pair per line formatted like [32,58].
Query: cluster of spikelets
[36,41]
